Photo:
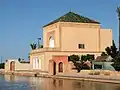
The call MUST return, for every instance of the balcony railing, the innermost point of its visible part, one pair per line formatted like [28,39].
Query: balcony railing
[45,49]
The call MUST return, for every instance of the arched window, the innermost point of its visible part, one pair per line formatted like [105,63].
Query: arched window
[51,42]
[60,67]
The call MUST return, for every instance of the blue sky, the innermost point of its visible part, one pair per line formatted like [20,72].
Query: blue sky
[21,21]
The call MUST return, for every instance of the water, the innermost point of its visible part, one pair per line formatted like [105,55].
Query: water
[8,82]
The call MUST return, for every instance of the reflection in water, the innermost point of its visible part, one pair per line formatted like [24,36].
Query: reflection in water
[12,82]
[54,82]
[60,82]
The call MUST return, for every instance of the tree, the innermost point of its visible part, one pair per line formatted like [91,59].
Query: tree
[118,11]
[87,57]
[112,50]
[2,65]
[33,46]
[103,54]
[73,58]
[116,58]
[19,59]
[79,64]
[108,51]
[28,56]
[116,63]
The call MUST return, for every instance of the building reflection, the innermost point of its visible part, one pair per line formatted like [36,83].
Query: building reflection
[37,83]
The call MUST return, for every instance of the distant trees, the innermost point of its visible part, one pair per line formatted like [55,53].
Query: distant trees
[2,65]
[19,59]
[28,56]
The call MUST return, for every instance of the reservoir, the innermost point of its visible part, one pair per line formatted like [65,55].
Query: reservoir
[11,82]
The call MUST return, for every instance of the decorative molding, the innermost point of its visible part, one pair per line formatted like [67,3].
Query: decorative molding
[58,50]
[50,27]
[79,25]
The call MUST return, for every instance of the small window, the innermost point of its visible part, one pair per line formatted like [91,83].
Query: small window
[81,46]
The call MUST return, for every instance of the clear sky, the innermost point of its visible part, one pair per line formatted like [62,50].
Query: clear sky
[21,21]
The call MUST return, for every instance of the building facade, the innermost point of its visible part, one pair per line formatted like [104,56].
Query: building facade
[67,35]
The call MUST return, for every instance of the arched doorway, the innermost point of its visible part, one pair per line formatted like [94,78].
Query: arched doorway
[60,67]
[12,66]
[54,68]
[51,42]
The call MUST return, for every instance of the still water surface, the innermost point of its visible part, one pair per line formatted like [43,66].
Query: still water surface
[8,82]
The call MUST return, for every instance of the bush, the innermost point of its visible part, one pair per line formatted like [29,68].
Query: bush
[91,73]
[107,73]
[2,65]
[94,73]
[116,66]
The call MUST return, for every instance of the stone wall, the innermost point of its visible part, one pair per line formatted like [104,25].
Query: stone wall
[18,65]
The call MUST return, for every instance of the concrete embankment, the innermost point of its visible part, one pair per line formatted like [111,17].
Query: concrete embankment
[90,78]
[94,78]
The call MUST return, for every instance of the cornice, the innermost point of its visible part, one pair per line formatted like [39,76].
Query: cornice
[79,25]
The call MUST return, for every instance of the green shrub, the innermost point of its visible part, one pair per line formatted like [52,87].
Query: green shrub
[2,65]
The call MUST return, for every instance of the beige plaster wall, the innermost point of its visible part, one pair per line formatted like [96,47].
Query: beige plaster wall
[18,65]
[23,66]
[41,57]
[68,35]
[106,38]
[7,66]
[73,35]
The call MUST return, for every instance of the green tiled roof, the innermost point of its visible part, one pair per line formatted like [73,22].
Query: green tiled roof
[73,17]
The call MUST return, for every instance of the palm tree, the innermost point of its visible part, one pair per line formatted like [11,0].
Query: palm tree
[118,11]
[33,46]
